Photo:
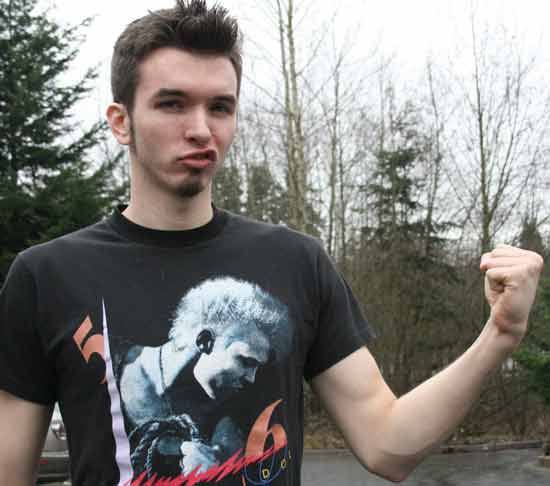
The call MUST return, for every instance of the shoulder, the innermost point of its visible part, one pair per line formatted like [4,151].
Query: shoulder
[67,246]
[278,235]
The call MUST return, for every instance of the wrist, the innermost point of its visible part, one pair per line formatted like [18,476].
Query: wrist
[497,342]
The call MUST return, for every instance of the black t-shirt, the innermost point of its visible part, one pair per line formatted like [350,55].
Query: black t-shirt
[176,354]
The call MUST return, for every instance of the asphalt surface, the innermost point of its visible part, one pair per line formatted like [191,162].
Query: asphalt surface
[504,468]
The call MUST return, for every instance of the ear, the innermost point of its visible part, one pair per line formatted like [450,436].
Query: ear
[119,121]
[205,341]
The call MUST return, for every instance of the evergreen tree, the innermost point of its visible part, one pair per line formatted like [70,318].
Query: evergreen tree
[266,199]
[395,201]
[534,354]
[228,188]
[47,185]
[403,253]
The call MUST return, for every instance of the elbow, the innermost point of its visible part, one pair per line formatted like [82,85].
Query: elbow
[395,474]
[392,468]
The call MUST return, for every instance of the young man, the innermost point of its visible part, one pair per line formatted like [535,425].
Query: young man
[175,336]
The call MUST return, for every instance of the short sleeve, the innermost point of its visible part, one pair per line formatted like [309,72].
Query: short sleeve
[24,369]
[341,326]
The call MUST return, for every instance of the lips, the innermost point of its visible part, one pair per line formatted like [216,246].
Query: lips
[199,159]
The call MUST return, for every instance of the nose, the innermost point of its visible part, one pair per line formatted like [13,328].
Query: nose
[197,129]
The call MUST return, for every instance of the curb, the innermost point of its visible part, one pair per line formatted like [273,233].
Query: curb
[342,452]
[450,449]
[490,446]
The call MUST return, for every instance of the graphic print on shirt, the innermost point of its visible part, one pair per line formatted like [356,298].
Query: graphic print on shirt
[183,401]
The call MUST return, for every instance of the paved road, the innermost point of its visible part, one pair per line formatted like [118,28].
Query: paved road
[505,468]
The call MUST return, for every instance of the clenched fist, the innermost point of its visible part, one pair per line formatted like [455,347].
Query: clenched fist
[198,457]
[511,279]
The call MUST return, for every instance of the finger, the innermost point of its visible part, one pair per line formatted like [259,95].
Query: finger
[518,255]
[502,249]
[186,448]
[492,262]
[506,250]
[491,258]
[499,252]
[484,259]
[501,277]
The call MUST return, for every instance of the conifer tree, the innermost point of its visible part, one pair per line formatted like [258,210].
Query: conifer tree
[534,354]
[227,188]
[48,184]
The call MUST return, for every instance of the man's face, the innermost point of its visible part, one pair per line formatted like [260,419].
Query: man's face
[183,121]
[232,364]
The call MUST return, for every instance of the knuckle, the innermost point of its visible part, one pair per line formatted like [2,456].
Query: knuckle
[535,257]
[536,264]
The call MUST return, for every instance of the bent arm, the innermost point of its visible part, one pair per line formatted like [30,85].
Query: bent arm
[392,436]
[23,428]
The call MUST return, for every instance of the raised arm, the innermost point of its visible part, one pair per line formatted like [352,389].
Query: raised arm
[391,436]
[23,428]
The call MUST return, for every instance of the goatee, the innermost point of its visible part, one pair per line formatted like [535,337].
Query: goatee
[190,189]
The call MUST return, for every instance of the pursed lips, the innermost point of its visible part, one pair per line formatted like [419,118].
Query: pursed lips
[199,159]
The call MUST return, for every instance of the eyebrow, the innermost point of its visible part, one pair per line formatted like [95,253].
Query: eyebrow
[178,93]
[164,92]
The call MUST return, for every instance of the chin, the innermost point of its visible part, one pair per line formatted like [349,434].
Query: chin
[190,189]
[221,394]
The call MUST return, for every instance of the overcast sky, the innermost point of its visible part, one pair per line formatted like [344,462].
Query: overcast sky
[409,29]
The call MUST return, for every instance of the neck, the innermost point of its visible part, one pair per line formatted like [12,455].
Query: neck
[170,212]
[172,362]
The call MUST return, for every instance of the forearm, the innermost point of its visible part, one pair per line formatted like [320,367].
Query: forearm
[16,466]
[16,478]
[21,443]
[391,436]
[423,418]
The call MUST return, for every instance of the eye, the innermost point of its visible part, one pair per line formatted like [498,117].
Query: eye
[172,105]
[221,107]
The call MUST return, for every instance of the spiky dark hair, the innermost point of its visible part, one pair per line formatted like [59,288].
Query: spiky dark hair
[190,25]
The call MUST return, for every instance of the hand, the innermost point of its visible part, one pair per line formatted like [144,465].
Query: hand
[511,278]
[197,455]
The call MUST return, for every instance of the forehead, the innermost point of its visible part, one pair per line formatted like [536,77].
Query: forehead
[196,74]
